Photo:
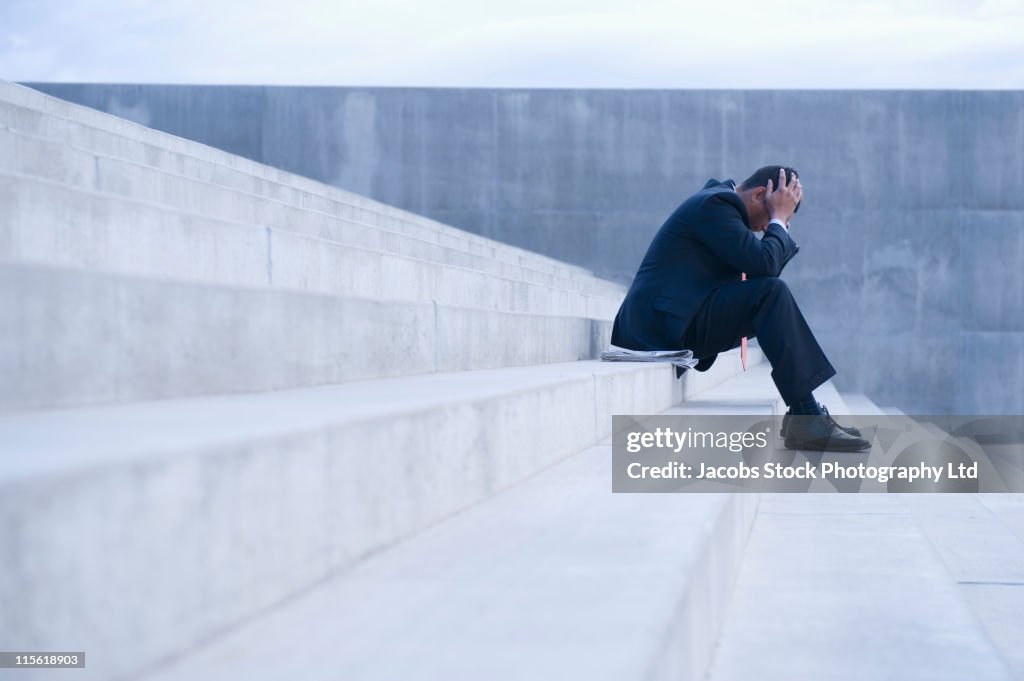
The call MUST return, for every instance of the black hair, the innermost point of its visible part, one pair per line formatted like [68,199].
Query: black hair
[762,175]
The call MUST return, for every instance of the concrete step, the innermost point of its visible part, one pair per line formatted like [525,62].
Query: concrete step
[754,393]
[860,404]
[48,222]
[980,540]
[79,129]
[139,531]
[554,578]
[81,337]
[850,587]
[751,392]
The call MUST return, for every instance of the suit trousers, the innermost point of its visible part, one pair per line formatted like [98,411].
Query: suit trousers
[763,307]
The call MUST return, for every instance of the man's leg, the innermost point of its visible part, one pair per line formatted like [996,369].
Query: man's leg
[765,308]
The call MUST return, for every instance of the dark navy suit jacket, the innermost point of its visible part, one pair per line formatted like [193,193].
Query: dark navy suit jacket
[705,243]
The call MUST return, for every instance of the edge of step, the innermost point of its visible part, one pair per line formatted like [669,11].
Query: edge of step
[126,337]
[183,230]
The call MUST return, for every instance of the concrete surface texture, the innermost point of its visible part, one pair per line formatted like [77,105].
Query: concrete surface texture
[442,506]
[872,586]
[912,234]
[174,269]
[550,579]
[334,375]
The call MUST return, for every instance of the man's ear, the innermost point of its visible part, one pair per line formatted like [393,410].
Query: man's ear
[758,193]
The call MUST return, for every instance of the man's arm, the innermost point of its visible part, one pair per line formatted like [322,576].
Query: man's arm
[785,225]
[724,232]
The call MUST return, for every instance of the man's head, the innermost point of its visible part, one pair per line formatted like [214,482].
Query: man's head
[754,189]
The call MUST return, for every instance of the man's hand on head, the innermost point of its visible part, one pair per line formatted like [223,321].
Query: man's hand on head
[783,199]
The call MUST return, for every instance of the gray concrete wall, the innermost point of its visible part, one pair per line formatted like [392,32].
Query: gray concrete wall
[912,236]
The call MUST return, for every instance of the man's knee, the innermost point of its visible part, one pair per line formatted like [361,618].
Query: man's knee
[772,286]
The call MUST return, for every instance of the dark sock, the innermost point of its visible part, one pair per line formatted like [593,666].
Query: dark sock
[806,406]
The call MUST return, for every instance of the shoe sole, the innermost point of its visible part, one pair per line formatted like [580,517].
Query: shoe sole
[857,434]
[828,447]
[848,431]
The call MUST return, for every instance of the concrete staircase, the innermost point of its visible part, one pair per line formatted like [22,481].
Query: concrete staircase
[553,578]
[223,386]
[256,427]
[171,237]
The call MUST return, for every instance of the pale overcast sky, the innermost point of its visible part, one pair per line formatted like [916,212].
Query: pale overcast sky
[519,43]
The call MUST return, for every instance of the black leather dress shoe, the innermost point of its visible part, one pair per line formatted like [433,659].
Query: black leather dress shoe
[785,423]
[821,434]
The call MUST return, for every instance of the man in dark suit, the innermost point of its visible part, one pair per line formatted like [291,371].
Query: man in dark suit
[688,294]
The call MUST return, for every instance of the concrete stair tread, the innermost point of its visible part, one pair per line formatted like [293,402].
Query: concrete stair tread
[851,587]
[555,578]
[258,497]
[980,540]
[26,98]
[613,578]
[754,392]
[860,404]
[65,439]
[157,338]
[853,590]
[750,392]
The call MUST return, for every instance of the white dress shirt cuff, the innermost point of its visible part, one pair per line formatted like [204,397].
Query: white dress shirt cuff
[780,223]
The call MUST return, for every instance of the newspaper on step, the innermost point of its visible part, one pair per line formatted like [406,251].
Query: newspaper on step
[682,359]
